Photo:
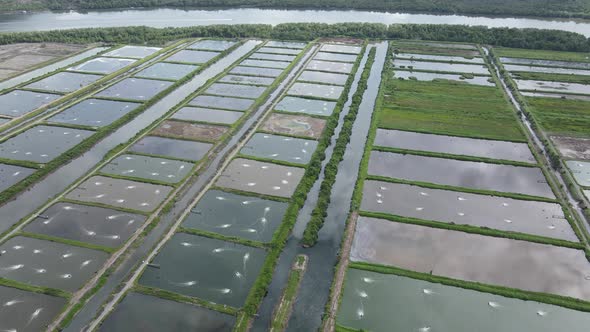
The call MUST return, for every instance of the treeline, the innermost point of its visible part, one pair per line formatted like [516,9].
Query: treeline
[549,8]
[520,38]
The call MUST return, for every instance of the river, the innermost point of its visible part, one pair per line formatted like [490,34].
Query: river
[166,17]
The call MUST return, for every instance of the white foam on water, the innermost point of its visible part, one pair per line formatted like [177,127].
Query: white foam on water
[12,302]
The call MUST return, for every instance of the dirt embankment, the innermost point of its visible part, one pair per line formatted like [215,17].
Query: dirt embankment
[18,58]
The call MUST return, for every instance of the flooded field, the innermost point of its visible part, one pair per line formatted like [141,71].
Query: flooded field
[234,104]
[42,144]
[277,50]
[538,218]
[254,71]
[64,82]
[335,57]
[581,171]
[143,312]
[103,65]
[479,258]
[321,77]
[90,224]
[260,177]
[196,57]
[212,45]
[228,214]
[207,115]
[548,70]
[425,306]
[274,57]
[11,174]
[330,66]
[294,150]
[94,113]
[285,44]
[337,48]
[554,95]
[307,106]
[546,63]
[169,147]
[441,67]
[193,131]
[253,80]
[427,77]
[454,145]
[17,103]
[298,125]
[137,52]
[476,175]
[48,264]
[27,311]
[150,168]
[167,71]
[135,89]
[210,269]
[438,45]
[572,147]
[553,86]
[332,92]
[265,64]
[120,193]
[441,58]
[236,90]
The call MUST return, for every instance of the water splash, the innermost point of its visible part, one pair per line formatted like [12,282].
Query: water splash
[13,267]
[424,329]
[494,304]
[40,270]
[218,250]
[224,226]
[428,291]
[85,263]
[245,261]
[12,302]
[187,244]
[461,198]
[37,251]
[360,313]
[225,291]
[66,276]
[69,254]
[220,198]
[238,274]
[17,247]
[186,283]
[34,315]
[368,280]
[542,313]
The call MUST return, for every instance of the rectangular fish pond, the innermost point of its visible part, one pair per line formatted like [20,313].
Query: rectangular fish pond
[339,48]
[330,66]
[306,106]
[210,269]
[335,57]
[103,65]
[190,131]
[236,90]
[429,77]
[285,44]
[580,171]
[27,311]
[64,82]
[284,148]
[167,71]
[137,52]
[196,57]
[11,175]
[94,113]
[198,114]
[321,77]
[265,64]
[251,80]
[149,168]
[546,63]
[547,70]
[135,89]
[21,102]
[298,125]
[441,58]
[228,103]
[256,71]
[441,67]
[553,86]
[173,148]
[311,90]
[274,57]
[277,50]
[212,45]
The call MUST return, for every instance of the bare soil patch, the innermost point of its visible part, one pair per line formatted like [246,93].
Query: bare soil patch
[298,125]
[572,147]
[17,58]
[194,131]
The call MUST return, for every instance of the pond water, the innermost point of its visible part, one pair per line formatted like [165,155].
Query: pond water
[150,168]
[274,57]
[169,147]
[94,112]
[417,56]
[134,195]
[294,150]
[64,82]
[90,224]
[419,305]
[322,77]
[253,71]
[425,76]
[188,56]
[103,65]
[547,70]
[459,173]
[232,104]
[454,145]
[554,95]
[537,218]
[580,171]
[330,66]
[135,89]
[438,44]
[190,131]
[251,80]
[587,193]
[20,102]
[277,50]
[285,44]
[332,92]
[143,312]
[11,174]
[325,56]
[298,125]
[441,67]
[553,86]
[307,106]
[228,214]
[547,63]
[338,48]
[42,144]
[210,269]
[212,45]
[236,90]
[27,311]
[207,115]
[472,257]
[260,177]
[168,71]
[137,52]
[265,64]
[49,264]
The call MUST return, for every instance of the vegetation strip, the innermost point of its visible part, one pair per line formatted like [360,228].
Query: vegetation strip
[283,310]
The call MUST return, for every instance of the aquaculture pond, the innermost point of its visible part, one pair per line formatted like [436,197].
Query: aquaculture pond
[169,147]
[547,70]
[441,58]
[330,66]
[27,311]
[149,168]
[207,115]
[441,67]
[298,125]
[235,104]
[20,102]
[188,56]
[428,77]
[321,77]
[284,148]
[192,131]
[459,173]
[285,44]
[49,264]
[143,312]
[437,45]
[127,194]
[212,45]
[554,95]
[454,145]
[42,144]
[572,147]
[103,65]
[252,80]
[236,90]
[546,63]
[137,52]
[277,50]
[274,57]
[335,57]
[338,48]
[581,171]
[135,89]
[90,224]
[473,257]
[265,64]
[94,112]
[167,71]
[307,106]
[11,174]
[210,269]
[260,177]
[553,86]
[332,92]
[256,71]
[537,218]
[369,297]
[64,82]
[229,214]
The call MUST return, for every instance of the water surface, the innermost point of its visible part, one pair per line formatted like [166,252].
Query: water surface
[307,106]
[207,115]
[331,66]
[212,45]
[322,77]
[130,51]
[233,104]
[441,66]
[326,56]
[11,175]
[278,50]
[546,70]
[195,57]
[546,63]
[274,57]
[251,80]
[581,171]
[94,112]
[553,86]
[103,65]
[236,90]
[311,90]
[169,147]
[135,89]
[265,63]
[290,149]
[64,82]
[27,311]
[426,76]
[443,58]
[168,71]
[256,71]
[150,168]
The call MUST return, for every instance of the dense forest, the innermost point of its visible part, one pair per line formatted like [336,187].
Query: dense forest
[550,8]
